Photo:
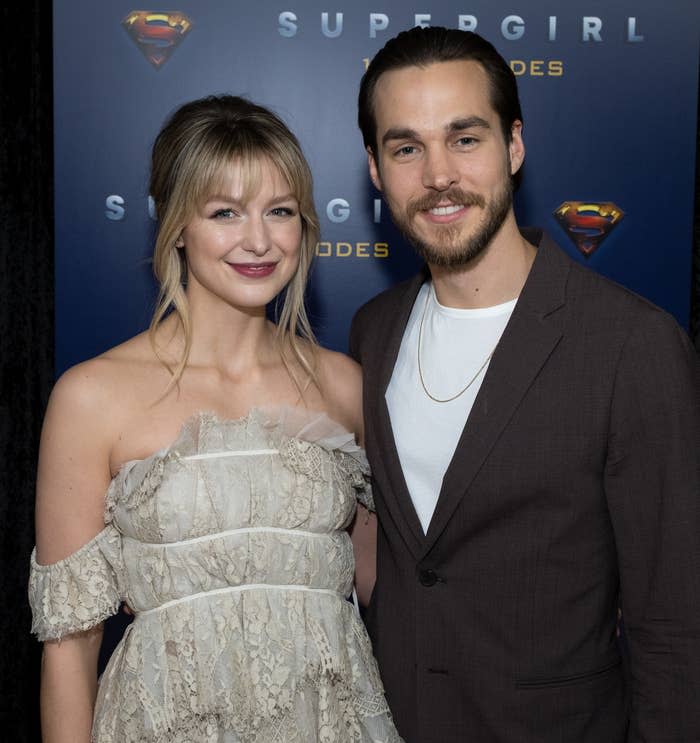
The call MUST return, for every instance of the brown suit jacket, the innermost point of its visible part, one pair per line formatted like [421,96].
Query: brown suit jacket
[575,485]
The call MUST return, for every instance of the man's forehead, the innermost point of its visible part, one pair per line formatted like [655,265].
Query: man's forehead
[441,90]
[466,72]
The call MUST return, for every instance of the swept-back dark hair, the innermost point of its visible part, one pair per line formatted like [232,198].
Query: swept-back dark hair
[420,47]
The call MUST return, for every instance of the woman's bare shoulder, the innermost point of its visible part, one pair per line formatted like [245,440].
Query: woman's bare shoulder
[336,363]
[341,383]
[101,392]
[84,419]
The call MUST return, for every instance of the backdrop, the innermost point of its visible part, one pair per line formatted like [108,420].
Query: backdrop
[609,98]
[26,180]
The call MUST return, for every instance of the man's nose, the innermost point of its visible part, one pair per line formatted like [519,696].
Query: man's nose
[439,171]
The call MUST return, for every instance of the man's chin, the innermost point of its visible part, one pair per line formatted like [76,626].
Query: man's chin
[443,255]
[457,250]
[456,245]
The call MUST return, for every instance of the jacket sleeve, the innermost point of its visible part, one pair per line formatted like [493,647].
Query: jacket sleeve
[652,482]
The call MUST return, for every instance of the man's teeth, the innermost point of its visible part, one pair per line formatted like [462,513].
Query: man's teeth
[443,211]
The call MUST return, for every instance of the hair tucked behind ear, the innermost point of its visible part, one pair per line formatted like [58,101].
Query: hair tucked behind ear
[190,155]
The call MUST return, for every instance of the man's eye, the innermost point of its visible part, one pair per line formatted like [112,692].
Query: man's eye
[407,149]
[466,141]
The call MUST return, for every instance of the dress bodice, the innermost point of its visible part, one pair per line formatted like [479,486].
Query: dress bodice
[230,545]
[192,514]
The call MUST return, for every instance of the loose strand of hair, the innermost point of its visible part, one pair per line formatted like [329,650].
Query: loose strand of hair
[293,326]
[171,297]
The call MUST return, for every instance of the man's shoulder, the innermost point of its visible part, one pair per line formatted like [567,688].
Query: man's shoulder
[613,320]
[390,297]
[374,318]
[591,294]
[594,293]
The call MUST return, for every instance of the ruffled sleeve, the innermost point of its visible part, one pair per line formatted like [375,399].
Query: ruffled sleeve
[78,592]
[354,465]
[363,492]
[364,496]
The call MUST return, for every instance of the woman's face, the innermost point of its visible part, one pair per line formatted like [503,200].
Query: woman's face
[244,251]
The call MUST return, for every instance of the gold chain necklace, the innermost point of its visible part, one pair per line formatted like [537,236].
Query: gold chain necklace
[420,368]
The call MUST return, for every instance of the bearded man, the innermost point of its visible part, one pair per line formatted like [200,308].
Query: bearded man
[534,434]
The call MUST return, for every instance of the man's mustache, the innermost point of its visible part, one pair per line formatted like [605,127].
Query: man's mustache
[454,195]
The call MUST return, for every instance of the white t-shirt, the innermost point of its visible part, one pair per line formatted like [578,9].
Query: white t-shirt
[455,344]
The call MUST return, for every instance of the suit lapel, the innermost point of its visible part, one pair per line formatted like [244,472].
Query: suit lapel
[388,469]
[530,337]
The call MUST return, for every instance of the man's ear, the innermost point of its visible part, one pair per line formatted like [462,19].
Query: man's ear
[516,148]
[373,169]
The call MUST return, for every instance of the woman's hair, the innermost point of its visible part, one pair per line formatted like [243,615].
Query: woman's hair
[191,155]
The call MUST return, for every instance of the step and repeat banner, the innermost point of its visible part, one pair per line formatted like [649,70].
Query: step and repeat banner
[609,94]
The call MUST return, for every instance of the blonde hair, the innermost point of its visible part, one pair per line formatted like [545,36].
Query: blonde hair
[190,156]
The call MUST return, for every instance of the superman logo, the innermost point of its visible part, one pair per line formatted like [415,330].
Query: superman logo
[588,223]
[157,34]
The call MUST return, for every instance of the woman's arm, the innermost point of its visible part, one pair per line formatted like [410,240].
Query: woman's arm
[72,478]
[69,686]
[363,533]
[341,382]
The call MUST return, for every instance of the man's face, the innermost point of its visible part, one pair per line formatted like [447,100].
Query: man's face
[441,159]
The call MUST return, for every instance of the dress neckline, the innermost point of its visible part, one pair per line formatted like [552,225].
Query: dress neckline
[272,415]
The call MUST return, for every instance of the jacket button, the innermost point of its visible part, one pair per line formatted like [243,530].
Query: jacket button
[427,577]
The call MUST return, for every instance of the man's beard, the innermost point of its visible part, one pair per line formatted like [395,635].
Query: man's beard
[445,248]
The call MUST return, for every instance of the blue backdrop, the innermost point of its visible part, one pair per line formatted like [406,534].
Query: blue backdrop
[609,98]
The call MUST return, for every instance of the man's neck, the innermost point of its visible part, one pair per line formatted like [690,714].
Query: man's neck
[495,276]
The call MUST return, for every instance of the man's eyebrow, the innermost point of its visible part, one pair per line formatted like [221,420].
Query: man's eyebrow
[458,125]
[398,133]
[470,122]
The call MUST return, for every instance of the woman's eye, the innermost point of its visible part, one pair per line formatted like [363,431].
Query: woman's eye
[224,214]
[282,211]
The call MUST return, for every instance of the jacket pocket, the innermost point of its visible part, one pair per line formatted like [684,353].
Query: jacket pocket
[569,680]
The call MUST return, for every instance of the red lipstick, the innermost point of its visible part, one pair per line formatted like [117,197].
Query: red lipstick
[254,270]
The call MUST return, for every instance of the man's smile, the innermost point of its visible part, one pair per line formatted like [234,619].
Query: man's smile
[445,213]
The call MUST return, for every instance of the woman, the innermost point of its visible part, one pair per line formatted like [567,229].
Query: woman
[224,445]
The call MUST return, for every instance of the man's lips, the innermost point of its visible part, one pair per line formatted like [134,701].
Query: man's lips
[447,207]
[445,213]
[254,270]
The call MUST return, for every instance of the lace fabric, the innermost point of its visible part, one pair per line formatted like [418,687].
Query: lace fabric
[78,592]
[231,547]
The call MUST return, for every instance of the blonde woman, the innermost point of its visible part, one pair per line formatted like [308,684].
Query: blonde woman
[206,473]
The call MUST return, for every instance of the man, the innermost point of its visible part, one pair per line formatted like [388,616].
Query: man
[533,431]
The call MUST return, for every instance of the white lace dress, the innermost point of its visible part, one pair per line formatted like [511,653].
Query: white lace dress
[230,547]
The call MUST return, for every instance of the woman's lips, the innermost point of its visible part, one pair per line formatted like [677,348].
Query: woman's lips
[254,270]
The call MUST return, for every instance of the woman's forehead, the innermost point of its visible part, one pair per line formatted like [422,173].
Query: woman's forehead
[243,177]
